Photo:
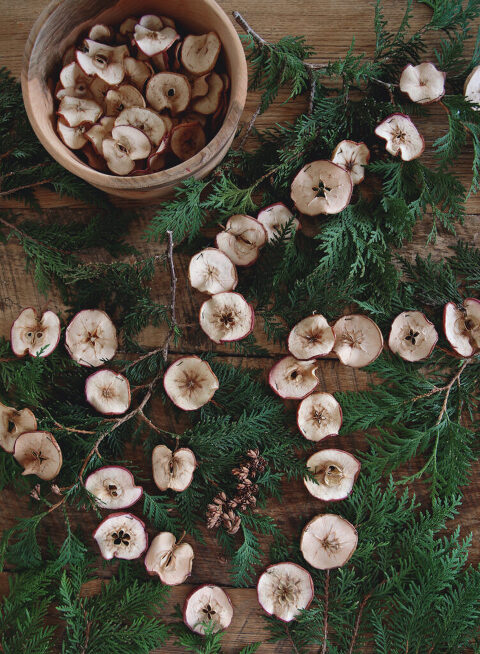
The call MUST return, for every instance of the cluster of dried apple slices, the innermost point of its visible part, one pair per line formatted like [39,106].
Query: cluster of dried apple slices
[141,98]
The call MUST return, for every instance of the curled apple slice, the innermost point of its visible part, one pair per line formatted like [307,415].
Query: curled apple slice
[353,157]
[99,89]
[74,82]
[328,541]
[412,336]
[227,317]
[73,137]
[186,140]
[190,383]
[113,487]
[462,326]
[108,392]
[39,454]
[127,28]
[312,337]
[242,239]
[153,41]
[401,136]
[105,61]
[209,103]
[151,22]
[34,335]
[127,145]
[423,83]
[101,33]
[119,99]
[284,589]
[211,271]
[170,560]
[199,86]
[13,423]
[91,338]
[321,187]
[121,536]
[173,470]
[137,72]
[146,120]
[358,340]
[275,219]
[318,416]
[168,91]
[200,53]
[292,379]
[335,473]
[79,111]
[99,132]
[207,608]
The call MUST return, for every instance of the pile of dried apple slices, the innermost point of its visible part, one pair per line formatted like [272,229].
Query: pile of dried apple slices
[140,98]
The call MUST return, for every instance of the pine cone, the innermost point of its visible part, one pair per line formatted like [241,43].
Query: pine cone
[242,472]
[215,510]
[231,522]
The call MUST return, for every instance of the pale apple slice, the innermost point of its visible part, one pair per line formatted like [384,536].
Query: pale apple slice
[79,111]
[200,53]
[108,392]
[227,317]
[328,541]
[101,33]
[127,145]
[168,91]
[13,423]
[209,103]
[312,337]
[73,137]
[34,335]
[292,379]
[74,82]
[353,157]
[105,61]
[401,136]
[285,589]
[99,132]
[275,218]
[471,88]
[186,140]
[170,560]
[137,72]
[462,326]
[190,383]
[358,340]
[39,454]
[207,609]
[173,470]
[211,271]
[321,187]
[335,473]
[91,338]
[242,239]
[153,41]
[147,121]
[319,416]
[423,83]
[152,22]
[412,336]
[113,487]
[123,97]
[121,536]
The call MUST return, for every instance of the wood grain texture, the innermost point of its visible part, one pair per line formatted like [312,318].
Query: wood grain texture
[329,29]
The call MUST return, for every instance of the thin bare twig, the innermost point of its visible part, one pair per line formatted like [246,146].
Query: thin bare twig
[72,429]
[358,621]
[325,612]
[313,89]
[250,126]
[24,170]
[290,639]
[249,30]
[25,186]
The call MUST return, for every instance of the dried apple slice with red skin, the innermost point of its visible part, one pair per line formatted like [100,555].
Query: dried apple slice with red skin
[127,27]
[177,51]
[39,454]
[353,157]
[190,383]
[358,340]
[154,41]
[113,487]
[99,132]
[146,120]
[401,136]
[79,111]
[91,338]
[227,317]
[73,137]
[173,470]
[292,379]
[423,83]
[471,88]
[200,53]
[167,21]
[321,187]
[328,541]
[161,62]
[13,423]
[99,89]
[209,103]
[336,472]
[200,86]
[123,97]
[137,72]
[121,536]
[94,159]
[168,91]
[101,34]
[312,337]
[211,271]
[284,589]
[275,218]
[171,561]
[105,61]
[33,335]
[242,239]
[152,22]
[186,140]
[319,416]
[461,325]
[209,606]
[412,336]
[108,392]
[74,82]
[157,162]
[127,145]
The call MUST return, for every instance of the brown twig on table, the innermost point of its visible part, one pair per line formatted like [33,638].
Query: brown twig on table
[290,639]
[72,429]
[358,620]
[325,612]
[249,30]
[24,170]
[254,117]
[313,88]
[25,186]
[388,85]
[153,425]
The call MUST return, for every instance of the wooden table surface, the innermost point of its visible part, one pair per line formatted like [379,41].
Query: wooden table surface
[329,27]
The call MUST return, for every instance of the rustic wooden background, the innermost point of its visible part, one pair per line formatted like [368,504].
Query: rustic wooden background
[329,27]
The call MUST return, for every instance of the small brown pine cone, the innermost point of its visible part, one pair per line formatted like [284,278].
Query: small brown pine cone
[232,523]
[253,454]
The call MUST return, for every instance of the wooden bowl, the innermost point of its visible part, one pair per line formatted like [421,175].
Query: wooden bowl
[60,25]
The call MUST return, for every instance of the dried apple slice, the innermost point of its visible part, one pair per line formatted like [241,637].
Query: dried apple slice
[79,111]
[312,337]
[108,392]
[209,103]
[13,423]
[101,33]
[186,140]
[401,136]
[146,120]
[105,61]
[153,41]
[318,416]
[99,132]
[335,472]
[211,271]
[462,326]
[74,82]
[321,187]
[285,589]
[200,53]
[227,317]
[471,88]
[173,470]
[91,338]
[94,159]
[423,83]
[33,335]
[125,96]
[137,72]
[127,28]
[39,454]
[167,21]
[99,89]
[412,336]
[73,137]
[353,157]
[275,218]
[121,536]
[358,340]
[127,145]
[242,239]
[170,560]
[207,608]
[328,541]
[168,91]
[152,22]
[199,86]
[113,487]
[190,383]
[292,379]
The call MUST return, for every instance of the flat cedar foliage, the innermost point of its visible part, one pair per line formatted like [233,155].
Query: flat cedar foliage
[408,587]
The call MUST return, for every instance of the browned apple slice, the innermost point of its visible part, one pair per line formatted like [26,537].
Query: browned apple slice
[210,102]
[157,162]
[152,22]
[127,28]
[176,54]
[161,62]
[321,187]
[190,383]
[328,541]
[200,53]
[353,157]
[137,72]
[170,560]
[167,21]
[200,86]
[79,111]
[101,33]
[401,136]
[461,325]
[147,121]
[211,271]
[242,239]
[39,454]
[35,335]
[227,317]
[412,336]
[99,89]
[292,379]
[121,536]
[186,140]
[358,340]
[335,473]
[153,41]
[173,470]
[13,423]
[94,159]
[121,98]
[285,589]
[91,338]
[99,132]
[127,145]
[103,60]
[168,91]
